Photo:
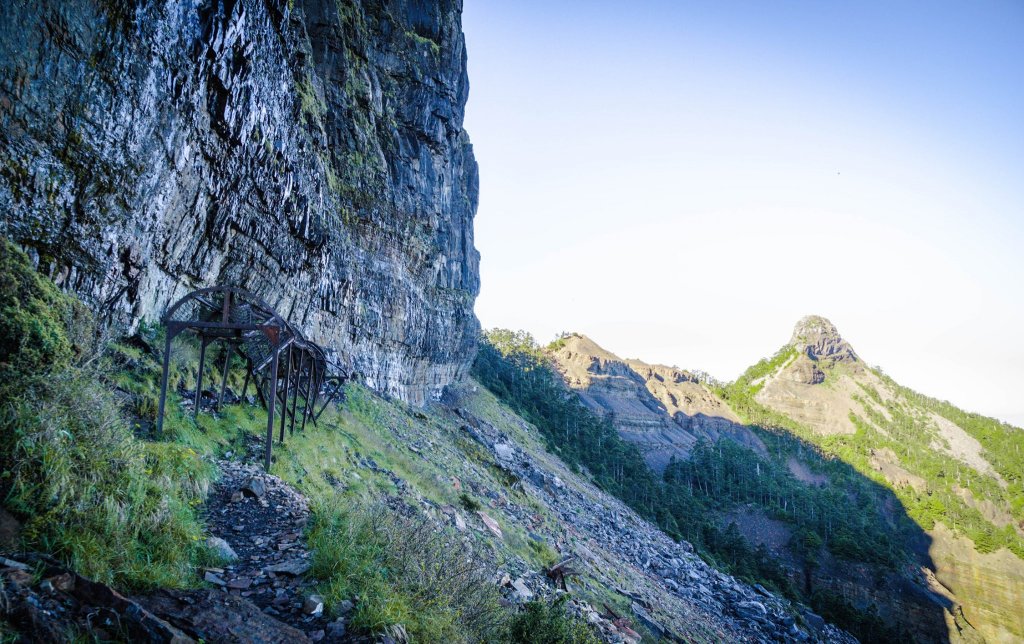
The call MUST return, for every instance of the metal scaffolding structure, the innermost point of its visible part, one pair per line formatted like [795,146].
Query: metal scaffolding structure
[285,368]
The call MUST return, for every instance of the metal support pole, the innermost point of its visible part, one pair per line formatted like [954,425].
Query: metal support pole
[199,379]
[248,373]
[224,374]
[309,393]
[284,398]
[270,412]
[295,394]
[163,382]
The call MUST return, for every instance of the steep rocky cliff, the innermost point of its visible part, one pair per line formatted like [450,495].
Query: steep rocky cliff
[309,150]
[664,410]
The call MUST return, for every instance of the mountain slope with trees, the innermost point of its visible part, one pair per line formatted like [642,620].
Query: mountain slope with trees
[870,497]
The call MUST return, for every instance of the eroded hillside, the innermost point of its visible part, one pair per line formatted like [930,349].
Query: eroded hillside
[952,480]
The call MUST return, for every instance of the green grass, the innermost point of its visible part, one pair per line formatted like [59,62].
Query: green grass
[115,508]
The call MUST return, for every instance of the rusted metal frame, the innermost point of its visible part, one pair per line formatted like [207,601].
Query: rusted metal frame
[306,370]
[169,332]
[248,374]
[309,401]
[197,295]
[229,352]
[312,382]
[333,387]
[282,345]
[320,373]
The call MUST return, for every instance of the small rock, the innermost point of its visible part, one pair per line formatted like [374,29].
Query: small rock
[336,629]
[397,633]
[491,524]
[254,487]
[504,452]
[316,636]
[314,605]
[10,563]
[294,568]
[522,590]
[222,549]
[240,583]
[460,523]
[214,578]
[237,496]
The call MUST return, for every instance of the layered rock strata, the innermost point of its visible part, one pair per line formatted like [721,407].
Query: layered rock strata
[311,151]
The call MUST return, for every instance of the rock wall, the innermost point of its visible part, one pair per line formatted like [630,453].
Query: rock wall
[311,151]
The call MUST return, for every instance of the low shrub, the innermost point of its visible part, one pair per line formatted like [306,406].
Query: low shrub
[41,329]
[468,503]
[403,571]
[548,623]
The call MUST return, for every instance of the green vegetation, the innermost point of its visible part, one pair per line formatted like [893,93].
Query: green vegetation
[124,510]
[435,47]
[541,623]
[113,507]
[513,367]
[903,426]
[405,572]
[845,519]
[845,516]
[41,330]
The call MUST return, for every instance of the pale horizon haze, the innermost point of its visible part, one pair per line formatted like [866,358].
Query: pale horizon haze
[683,181]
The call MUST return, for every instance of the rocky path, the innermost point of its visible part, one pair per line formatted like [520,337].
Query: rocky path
[259,594]
[256,522]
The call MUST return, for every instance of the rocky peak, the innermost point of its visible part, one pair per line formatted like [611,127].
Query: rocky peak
[818,338]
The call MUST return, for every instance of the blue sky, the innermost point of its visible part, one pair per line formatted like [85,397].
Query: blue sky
[683,181]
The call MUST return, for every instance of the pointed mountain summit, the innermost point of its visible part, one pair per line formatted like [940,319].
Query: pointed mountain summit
[818,338]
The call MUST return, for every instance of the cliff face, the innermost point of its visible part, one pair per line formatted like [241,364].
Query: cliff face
[311,151]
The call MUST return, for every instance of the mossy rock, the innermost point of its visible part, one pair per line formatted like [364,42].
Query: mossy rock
[41,329]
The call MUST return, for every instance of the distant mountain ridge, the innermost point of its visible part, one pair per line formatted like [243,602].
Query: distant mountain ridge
[664,410]
[959,476]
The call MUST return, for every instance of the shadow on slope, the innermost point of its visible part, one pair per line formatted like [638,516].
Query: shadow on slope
[850,542]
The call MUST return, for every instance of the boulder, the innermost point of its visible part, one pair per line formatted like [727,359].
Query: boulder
[222,549]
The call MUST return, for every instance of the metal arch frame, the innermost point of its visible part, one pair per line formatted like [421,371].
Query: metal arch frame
[306,367]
